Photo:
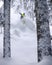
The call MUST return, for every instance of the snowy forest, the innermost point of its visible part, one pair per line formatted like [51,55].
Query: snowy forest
[25,32]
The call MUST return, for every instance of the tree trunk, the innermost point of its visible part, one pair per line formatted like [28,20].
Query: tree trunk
[6,48]
[43,32]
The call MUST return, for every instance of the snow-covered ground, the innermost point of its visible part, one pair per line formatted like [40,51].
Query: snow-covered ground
[23,51]
[23,40]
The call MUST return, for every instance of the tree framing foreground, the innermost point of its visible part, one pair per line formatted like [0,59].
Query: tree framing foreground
[43,32]
[6,45]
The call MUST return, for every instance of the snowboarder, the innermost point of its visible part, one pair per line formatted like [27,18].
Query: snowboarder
[22,15]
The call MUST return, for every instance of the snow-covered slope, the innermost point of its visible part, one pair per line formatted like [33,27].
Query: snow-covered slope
[23,39]
[21,25]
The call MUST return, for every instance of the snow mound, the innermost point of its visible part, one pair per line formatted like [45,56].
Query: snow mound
[47,60]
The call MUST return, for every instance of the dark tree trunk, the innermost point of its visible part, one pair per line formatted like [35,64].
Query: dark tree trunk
[43,32]
[6,45]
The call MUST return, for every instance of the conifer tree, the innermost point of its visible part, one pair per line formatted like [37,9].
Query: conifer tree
[43,32]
